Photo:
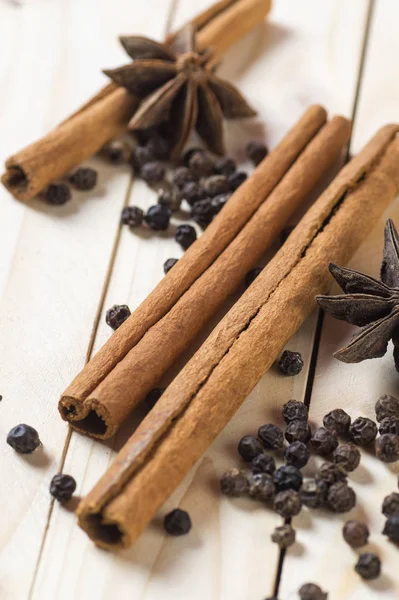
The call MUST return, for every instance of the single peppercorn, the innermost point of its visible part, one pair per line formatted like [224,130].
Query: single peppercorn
[218,202]
[295,411]
[158,217]
[284,235]
[168,264]
[153,396]
[132,216]
[386,406]
[249,446]
[202,212]
[341,498]
[116,315]
[271,436]
[261,487]
[284,536]
[356,533]
[387,447]
[185,236]
[140,156]
[263,463]
[296,454]
[215,185]
[324,441]
[83,178]
[314,493]
[347,456]
[290,363]
[363,431]
[391,528]
[311,591]
[287,477]
[252,275]
[337,420]
[187,154]
[330,473]
[183,175]
[235,180]
[256,152]
[177,522]
[390,505]
[191,192]
[225,166]
[62,487]
[153,172]
[169,199]
[287,503]
[201,164]
[23,439]
[368,566]
[116,152]
[57,194]
[389,425]
[234,483]
[297,431]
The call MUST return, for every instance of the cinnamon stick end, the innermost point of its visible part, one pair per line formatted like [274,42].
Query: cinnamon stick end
[106,534]
[16,181]
[89,417]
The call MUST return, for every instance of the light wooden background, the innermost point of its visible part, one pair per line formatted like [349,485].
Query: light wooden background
[61,268]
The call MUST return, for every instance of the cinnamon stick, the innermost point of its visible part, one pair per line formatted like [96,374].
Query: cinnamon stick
[212,386]
[107,114]
[75,405]
[140,370]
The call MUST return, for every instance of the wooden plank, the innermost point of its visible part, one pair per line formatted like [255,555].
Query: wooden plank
[323,556]
[53,261]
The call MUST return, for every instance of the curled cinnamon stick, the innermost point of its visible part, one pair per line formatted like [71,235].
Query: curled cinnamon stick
[107,114]
[212,386]
[90,414]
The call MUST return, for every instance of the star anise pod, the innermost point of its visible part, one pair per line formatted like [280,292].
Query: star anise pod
[369,303]
[178,89]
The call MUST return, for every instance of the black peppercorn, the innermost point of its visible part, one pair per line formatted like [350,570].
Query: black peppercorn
[271,436]
[290,363]
[140,156]
[169,199]
[132,216]
[390,505]
[330,473]
[218,202]
[62,487]
[225,166]
[363,431]
[168,264]
[314,493]
[347,456]
[261,487]
[202,212]
[177,522]
[236,179]
[57,194]
[387,447]
[287,477]
[252,275]
[116,315]
[83,179]
[183,175]
[216,184]
[368,566]
[295,411]
[389,425]
[23,439]
[284,235]
[249,446]
[311,591]
[355,533]
[187,154]
[201,164]
[158,217]
[234,483]
[324,441]
[287,503]
[185,236]
[153,172]
[337,420]
[391,528]
[297,431]
[153,396]
[296,455]
[256,152]
[284,536]
[191,192]
[341,498]
[386,406]
[116,152]
[263,463]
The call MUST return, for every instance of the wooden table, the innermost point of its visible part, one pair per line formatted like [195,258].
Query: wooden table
[61,268]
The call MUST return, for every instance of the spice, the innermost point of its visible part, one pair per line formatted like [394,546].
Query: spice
[271,436]
[83,179]
[387,447]
[390,505]
[391,528]
[252,275]
[356,533]
[158,217]
[158,146]
[234,483]
[341,498]
[192,192]
[368,566]
[116,152]
[296,455]
[57,194]
[311,591]
[324,441]
[141,155]
[153,172]
[169,199]
[386,406]
[287,503]
[347,456]
[287,477]
[183,175]
[201,164]
[256,152]
[337,420]
[236,179]
[263,463]
[330,473]
[185,236]
[290,363]
[261,487]
[284,536]
[187,154]
[249,447]
[215,185]
[202,212]
[297,431]
[295,411]
[225,166]
[177,522]
[218,202]
[116,315]
[314,493]
[62,487]
[23,439]
[153,396]
[389,425]
[168,264]
[363,431]
[132,216]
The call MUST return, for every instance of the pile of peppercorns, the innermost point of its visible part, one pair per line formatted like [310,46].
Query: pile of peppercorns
[285,490]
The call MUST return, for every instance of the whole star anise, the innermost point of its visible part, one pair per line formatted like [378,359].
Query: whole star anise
[178,90]
[369,303]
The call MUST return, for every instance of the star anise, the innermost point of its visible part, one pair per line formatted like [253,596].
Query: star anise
[369,303]
[178,89]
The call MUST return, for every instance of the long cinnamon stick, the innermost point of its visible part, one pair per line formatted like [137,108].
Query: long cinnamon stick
[107,114]
[74,404]
[140,370]
[212,386]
